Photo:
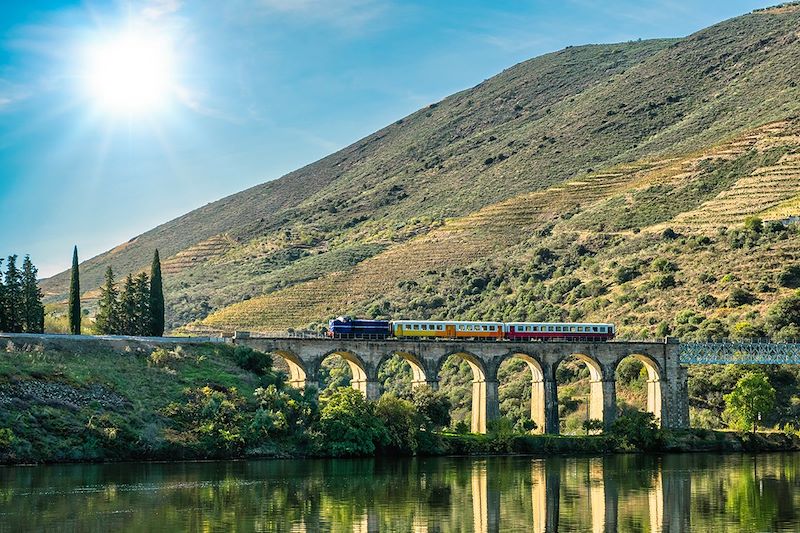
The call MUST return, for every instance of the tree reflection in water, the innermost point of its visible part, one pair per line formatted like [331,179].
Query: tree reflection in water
[615,493]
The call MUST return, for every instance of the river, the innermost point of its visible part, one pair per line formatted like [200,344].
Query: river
[626,493]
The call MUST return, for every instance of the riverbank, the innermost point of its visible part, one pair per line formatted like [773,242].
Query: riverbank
[217,401]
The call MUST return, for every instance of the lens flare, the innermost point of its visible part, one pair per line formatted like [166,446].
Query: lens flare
[131,73]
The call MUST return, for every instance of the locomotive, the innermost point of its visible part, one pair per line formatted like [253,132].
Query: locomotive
[356,328]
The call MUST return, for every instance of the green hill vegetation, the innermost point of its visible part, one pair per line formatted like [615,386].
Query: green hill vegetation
[641,183]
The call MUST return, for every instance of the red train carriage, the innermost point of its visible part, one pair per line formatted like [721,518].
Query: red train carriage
[521,331]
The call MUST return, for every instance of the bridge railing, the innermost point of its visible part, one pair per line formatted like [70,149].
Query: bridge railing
[741,352]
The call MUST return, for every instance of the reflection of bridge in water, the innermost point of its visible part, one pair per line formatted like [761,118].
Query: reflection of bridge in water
[667,497]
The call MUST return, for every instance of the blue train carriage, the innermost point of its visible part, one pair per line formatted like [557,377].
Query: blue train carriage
[345,327]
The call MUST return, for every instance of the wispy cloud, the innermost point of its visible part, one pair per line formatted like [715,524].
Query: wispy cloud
[157,9]
[347,14]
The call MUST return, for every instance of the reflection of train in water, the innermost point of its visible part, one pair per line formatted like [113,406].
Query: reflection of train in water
[356,328]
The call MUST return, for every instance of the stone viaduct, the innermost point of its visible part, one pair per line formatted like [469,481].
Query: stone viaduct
[667,395]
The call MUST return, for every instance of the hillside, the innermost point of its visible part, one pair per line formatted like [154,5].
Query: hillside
[543,192]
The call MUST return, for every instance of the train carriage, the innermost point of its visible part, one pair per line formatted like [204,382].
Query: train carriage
[447,329]
[558,330]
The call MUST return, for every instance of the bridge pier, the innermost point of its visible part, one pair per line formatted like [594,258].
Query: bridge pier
[551,424]
[485,404]
[607,402]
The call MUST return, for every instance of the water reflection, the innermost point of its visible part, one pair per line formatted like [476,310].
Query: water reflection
[601,494]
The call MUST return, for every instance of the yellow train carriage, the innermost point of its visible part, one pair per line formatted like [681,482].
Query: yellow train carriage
[447,329]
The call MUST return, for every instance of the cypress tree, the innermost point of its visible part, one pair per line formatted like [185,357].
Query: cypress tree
[141,292]
[156,298]
[33,315]
[74,305]
[107,321]
[127,307]
[3,322]
[15,303]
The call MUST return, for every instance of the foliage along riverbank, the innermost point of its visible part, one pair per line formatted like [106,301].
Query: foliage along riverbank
[217,401]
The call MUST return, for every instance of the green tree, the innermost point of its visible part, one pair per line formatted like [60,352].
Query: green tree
[156,298]
[142,305]
[107,321]
[33,309]
[127,307]
[433,407]
[14,300]
[752,396]
[401,421]
[348,424]
[74,305]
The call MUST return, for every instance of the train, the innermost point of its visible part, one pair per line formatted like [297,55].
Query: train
[345,327]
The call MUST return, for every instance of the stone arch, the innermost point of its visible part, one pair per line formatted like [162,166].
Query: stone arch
[298,377]
[654,382]
[602,395]
[538,401]
[360,380]
[419,374]
[485,405]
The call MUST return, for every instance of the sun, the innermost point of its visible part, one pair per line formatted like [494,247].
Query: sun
[130,73]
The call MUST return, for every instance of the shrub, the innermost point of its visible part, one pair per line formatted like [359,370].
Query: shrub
[637,429]
[461,427]
[739,297]
[669,234]
[663,265]
[401,421]
[626,273]
[707,301]
[592,426]
[754,224]
[789,277]
[664,281]
[6,438]
[209,421]
[785,313]
[256,362]
[348,424]
[432,406]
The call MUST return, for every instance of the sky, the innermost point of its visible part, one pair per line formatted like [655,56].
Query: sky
[118,116]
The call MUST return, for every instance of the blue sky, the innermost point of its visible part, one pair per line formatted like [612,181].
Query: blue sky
[257,89]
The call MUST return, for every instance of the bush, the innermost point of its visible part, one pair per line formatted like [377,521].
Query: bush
[256,362]
[209,421]
[785,313]
[754,224]
[6,438]
[669,234]
[663,265]
[739,297]
[637,429]
[626,273]
[401,421]
[707,301]
[348,425]
[664,281]
[789,277]
[592,426]
[433,407]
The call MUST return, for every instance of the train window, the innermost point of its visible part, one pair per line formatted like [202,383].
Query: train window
[485,328]
[602,329]
[572,329]
[549,328]
[594,329]
[416,327]
[558,328]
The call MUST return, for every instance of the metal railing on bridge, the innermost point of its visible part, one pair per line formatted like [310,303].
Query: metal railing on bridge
[759,352]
